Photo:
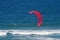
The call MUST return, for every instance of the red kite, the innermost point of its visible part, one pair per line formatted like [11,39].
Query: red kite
[38,15]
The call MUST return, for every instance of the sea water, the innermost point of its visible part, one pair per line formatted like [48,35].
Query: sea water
[29,34]
[17,24]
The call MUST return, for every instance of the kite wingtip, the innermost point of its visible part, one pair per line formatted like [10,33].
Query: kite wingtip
[31,11]
[38,25]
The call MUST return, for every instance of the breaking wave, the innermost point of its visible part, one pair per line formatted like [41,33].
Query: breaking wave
[29,32]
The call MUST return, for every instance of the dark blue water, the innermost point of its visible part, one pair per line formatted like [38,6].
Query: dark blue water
[14,14]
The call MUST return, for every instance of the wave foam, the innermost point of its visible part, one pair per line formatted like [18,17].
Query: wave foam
[28,32]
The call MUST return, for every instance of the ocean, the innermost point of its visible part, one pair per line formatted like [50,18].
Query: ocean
[17,24]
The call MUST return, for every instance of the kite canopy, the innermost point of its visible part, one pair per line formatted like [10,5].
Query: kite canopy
[38,16]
